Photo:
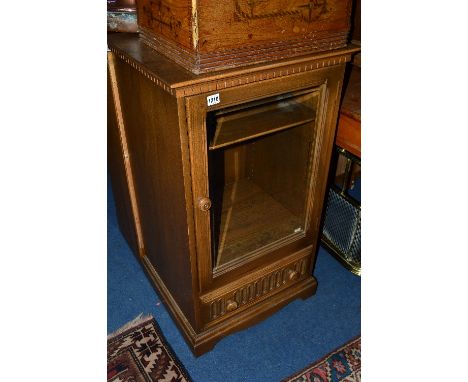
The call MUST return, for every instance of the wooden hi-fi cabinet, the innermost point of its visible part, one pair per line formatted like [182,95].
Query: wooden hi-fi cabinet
[219,180]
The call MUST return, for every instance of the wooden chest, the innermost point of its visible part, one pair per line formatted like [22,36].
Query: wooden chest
[208,35]
[219,180]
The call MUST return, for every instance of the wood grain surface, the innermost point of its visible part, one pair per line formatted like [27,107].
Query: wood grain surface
[348,135]
[208,35]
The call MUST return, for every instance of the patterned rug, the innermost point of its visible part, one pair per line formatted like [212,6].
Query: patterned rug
[138,352]
[341,365]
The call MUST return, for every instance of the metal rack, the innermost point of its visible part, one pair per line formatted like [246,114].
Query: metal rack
[341,233]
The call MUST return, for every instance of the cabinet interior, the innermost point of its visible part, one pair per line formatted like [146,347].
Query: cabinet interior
[259,169]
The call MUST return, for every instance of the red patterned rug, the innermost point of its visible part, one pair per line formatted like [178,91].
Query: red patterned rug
[341,365]
[138,352]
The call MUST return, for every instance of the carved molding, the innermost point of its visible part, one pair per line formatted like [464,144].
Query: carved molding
[249,77]
[264,75]
[258,288]
[198,62]
[142,70]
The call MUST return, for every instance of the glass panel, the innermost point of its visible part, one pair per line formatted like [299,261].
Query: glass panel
[259,164]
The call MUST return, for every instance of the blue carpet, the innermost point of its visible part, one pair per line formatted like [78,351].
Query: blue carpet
[279,346]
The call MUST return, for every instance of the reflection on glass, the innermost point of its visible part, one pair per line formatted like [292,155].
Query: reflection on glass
[259,164]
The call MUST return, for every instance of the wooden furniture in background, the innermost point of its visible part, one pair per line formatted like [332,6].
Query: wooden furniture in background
[342,224]
[207,35]
[348,134]
[220,178]
[349,123]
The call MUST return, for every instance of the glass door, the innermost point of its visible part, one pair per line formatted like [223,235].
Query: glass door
[259,165]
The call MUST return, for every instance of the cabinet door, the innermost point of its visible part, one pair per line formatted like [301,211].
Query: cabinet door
[257,158]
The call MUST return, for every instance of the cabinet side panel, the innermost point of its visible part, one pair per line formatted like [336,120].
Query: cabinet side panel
[116,168]
[151,123]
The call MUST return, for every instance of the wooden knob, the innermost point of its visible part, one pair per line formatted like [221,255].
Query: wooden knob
[292,275]
[231,305]
[204,204]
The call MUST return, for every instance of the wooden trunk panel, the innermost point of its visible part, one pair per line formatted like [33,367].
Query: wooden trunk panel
[239,23]
[210,35]
[168,18]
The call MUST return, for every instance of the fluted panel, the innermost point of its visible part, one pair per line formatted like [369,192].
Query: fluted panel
[257,288]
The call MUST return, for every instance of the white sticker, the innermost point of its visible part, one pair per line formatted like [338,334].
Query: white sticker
[213,99]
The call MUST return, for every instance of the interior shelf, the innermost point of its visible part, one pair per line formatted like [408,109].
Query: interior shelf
[242,125]
[251,219]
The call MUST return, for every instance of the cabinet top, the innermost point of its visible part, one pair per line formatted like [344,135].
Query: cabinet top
[176,80]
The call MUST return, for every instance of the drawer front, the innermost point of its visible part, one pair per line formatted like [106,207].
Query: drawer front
[221,304]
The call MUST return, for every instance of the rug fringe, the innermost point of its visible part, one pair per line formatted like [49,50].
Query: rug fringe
[135,322]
